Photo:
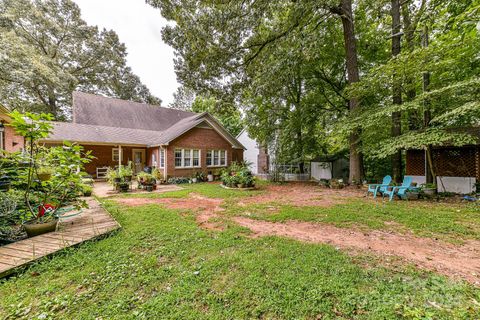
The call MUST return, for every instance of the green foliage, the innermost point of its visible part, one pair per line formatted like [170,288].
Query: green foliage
[145,178]
[47,51]
[283,63]
[162,265]
[237,174]
[228,115]
[62,164]
[157,174]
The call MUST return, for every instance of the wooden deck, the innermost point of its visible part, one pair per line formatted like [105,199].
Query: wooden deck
[91,223]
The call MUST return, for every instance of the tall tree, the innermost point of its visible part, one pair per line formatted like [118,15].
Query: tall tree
[183,98]
[344,10]
[396,89]
[228,115]
[60,53]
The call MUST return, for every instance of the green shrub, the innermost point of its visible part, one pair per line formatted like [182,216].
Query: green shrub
[237,173]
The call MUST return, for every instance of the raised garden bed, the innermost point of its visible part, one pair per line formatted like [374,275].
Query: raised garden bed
[239,189]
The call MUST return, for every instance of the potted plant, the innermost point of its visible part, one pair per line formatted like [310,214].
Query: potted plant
[158,175]
[429,189]
[87,190]
[146,180]
[45,221]
[112,176]
[44,173]
[43,199]
[412,194]
[336,184]
[210,176]
[125,173]
[124,186]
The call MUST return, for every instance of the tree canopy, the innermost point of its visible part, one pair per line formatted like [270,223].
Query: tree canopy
[296,68]
[47,51]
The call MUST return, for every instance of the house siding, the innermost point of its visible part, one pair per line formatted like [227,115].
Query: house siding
[103,157]
[11,141]
[202,139]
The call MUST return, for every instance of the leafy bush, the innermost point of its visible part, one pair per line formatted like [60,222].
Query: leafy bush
[9,215]
[178,180]
[62,162]
[145,178]
[157,174]
[237,174]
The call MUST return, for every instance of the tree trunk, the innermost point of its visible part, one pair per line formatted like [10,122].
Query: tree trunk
[427,117]
[52,104]
[397,90]
[409,28]
[344,10]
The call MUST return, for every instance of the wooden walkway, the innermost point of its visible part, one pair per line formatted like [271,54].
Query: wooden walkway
[91,223]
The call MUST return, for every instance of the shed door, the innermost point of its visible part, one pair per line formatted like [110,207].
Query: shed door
[321,170]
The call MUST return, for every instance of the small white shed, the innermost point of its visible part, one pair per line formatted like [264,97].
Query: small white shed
[329,167]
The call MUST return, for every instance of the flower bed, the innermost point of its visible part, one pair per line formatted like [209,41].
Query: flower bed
[238,176]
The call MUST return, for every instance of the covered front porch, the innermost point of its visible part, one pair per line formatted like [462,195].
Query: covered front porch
[115,155]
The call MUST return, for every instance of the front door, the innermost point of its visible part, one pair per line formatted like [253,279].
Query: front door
[138,160]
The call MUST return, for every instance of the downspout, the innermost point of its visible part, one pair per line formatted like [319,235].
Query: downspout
[165,163]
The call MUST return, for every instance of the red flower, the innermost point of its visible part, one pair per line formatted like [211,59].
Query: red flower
[44,209]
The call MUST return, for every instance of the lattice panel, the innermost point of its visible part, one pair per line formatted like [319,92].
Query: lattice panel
[455,162]
[415,163]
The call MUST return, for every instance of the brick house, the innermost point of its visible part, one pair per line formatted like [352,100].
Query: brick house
[116,131]
[9,140]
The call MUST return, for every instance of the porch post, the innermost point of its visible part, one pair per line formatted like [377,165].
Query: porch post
[120,156]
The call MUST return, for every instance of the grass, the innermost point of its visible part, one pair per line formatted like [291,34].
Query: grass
[162,266]
[209,190]
[450,222]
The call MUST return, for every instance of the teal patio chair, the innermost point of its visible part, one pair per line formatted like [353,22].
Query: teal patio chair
[379,187]
[400,191]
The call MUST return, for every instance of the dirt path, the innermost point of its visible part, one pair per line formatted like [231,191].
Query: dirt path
[448,259]
[205,209]
[303,194]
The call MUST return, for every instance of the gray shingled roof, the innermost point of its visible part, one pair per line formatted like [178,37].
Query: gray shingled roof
[114,121]
[67,131]
[101,111]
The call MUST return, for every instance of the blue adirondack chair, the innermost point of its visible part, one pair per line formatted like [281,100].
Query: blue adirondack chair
[400,190]
[379,187]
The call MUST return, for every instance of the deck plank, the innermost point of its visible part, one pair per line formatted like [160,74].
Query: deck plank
[91,223]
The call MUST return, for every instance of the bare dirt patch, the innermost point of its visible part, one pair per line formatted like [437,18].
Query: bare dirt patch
[448,259]
[204,208]
[303,194]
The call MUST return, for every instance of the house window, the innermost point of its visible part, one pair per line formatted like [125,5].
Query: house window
[115,154]
[209,157]
[162,158]
[216,158]
[178,158]
[223,158]
[187,158]
[196,158]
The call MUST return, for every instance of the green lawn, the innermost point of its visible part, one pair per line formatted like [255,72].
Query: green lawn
[450,222]
[162,266]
